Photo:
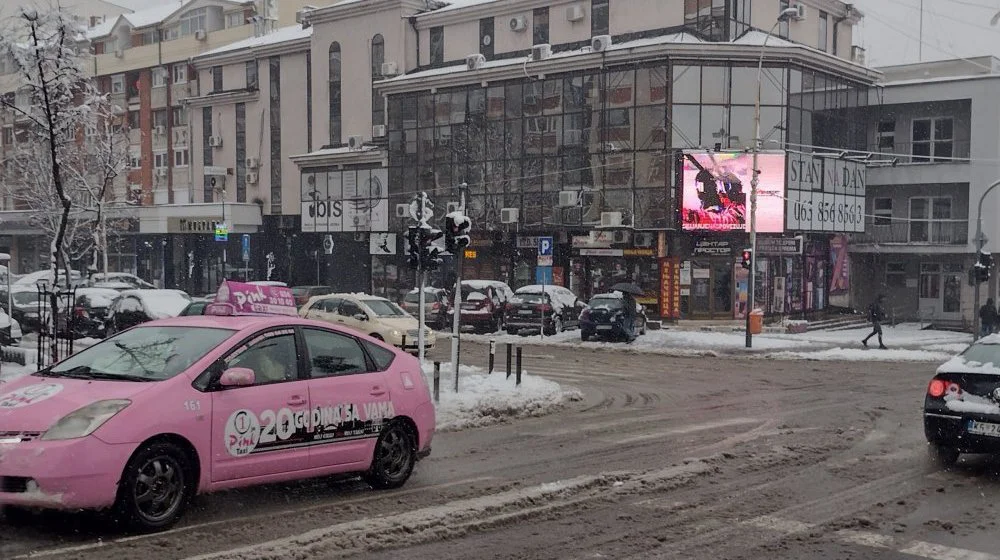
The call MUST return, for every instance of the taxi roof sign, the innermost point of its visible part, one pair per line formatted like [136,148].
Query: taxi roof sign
[240,298]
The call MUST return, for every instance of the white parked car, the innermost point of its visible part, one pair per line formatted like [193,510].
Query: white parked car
[374,316]
[131,280]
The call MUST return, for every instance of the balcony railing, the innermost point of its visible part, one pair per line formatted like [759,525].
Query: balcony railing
[953,151]
[916,232]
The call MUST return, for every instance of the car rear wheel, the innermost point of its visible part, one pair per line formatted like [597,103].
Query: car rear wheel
[395,455]
[557,327]
[155,487]
[943,456]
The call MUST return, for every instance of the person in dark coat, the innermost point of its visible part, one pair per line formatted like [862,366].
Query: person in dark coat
[876,314]
[629,316]
[987,318]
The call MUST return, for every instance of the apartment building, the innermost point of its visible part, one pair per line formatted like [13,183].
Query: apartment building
[938,123]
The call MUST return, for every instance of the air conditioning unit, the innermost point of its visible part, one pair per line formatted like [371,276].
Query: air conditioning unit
[517,23]
[611,219]
[509,215]
[619,236]
[161,171]
[575,13]
[378,131]
[252,163]
[453,207]
[858,54]
[402,210]
[201,35]
[600,43]
[355,142]
[568,199]
[474,61]
[119,53]
[801,12]
[251,178]
[541,52]
[644,239]
[215,141]
[390,69]
[159,130]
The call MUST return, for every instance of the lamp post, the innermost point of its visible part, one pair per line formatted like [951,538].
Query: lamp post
[980,243]
[783,16]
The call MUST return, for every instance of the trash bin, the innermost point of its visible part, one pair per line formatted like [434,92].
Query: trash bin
[757,321]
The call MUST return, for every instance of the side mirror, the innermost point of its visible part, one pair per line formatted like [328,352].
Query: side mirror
[361,317]
[237,377]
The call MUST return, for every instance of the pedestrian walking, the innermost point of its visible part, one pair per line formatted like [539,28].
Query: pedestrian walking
[987,318]
[876,314]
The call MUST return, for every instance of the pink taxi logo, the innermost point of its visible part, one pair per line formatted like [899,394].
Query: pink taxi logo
[242,433]
[29,395]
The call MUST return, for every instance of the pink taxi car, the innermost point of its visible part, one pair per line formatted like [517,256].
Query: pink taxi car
[143,421]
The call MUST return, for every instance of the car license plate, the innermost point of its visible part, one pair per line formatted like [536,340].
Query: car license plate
[524,312]
[983,428]
[604,327]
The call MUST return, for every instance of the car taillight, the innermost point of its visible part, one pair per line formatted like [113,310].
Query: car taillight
[545,308]
[436,306]
[79,312]
[938,388]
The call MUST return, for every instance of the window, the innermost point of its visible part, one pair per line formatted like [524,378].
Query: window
[930,280]
[933,139]
[382,357]
[486,31]
[336,122]
[252,75]
[193,20]
[540,26]
[823,31]
[180,73]
[149,37]
[930,221]
[437,45]
[178,116]
[134,160]
[271,356]
[160,118]
[8,136]
[882,210]
[835,42]
[349,309]
[332,354]
[181,158]
[159,77]
[160,160]
[118,83]
[783,25]
[235,19]
[705,17]
[886,136]
[895,275]
[378,100]
[216,78]
[599,16]
[133,120]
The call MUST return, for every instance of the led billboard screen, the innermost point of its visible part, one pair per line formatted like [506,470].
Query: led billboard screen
[716,191]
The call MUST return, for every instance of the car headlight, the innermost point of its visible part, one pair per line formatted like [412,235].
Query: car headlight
[83,421]
[396,334]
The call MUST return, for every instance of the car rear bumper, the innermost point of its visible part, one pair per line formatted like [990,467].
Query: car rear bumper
[949,429]
[79,473]
[529,323]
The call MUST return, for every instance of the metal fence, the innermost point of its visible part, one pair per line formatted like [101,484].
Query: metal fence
[55,324]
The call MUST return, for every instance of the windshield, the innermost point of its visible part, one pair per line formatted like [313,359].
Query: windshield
[299,292]
[609,303]
[142,354]
[383,308]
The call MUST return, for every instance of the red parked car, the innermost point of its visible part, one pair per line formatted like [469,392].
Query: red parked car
[483,303]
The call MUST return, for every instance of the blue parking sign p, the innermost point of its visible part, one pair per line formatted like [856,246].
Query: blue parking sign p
[544,246]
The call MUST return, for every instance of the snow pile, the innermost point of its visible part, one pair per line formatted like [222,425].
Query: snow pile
[862,355]
[11,371]
[490,399]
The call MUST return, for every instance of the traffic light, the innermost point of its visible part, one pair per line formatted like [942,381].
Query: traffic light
[456,230]
[983,267]
[413,247]
[429,254]
[747,259]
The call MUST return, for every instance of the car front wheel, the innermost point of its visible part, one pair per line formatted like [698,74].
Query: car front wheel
[155,487]
[395,455]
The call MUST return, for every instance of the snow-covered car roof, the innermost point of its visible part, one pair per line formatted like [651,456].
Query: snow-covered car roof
[480,284]
[161,303]
[116,286]
[558,294]
[610,295]
[100,297]
[427,290]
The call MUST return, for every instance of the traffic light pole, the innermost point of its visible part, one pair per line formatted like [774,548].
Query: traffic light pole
[456,322]
[980,243]
[423,285]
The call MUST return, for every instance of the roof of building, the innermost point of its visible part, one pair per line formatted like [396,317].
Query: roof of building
[278,36]
[147,16]
[449,5]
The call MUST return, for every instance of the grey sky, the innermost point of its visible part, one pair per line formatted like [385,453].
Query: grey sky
[952,28]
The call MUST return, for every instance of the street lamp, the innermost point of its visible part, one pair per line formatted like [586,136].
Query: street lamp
[783,16]
[980,243]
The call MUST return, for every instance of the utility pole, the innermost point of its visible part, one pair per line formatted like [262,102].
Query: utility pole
[421,272]
[980,243]
[456,322]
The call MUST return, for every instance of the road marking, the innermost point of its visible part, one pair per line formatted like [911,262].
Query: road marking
[687,430]
[941,552]
[779,525]
[865,538]
[100,544]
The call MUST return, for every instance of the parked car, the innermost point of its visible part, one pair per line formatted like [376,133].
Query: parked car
[133,281]
[31,280]
[10,330]
[194,308]
[483,305]
[87,318]
[268,283]
[560,308]
[436,308]
[604,317]
[116,286]
[27,302]
[375,316]
[134,307]
[303,293]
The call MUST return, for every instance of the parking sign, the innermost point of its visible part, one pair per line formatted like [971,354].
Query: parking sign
[544,246]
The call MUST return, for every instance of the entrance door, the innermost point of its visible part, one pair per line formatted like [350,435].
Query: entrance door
[941,291]
[712,289]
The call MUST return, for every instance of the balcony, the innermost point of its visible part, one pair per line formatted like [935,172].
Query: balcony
[917,153]
[922,233]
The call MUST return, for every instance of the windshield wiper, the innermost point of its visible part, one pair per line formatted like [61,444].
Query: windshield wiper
[85,372]
[119,376]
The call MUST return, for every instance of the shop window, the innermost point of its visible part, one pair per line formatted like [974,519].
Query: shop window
[933,139]
[540,26]
[882,209]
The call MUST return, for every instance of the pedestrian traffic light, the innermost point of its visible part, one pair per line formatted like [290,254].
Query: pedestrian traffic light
[413,247]
[456,229]
[983,267]
[429,253]
[747,258]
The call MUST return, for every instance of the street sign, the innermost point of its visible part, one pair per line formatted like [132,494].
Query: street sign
[328,244]
[543,275]
[246,247]
[544,260]
[545,246]
[221,231]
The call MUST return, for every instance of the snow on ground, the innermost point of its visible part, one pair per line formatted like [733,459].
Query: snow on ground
[863,355]
[490,399]
[953,348]
[11,371]
[905,334]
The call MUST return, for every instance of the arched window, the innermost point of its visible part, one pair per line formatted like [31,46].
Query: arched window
[336,120]
[378,57]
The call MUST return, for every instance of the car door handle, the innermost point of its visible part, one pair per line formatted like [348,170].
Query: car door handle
[296,400]
[377,391]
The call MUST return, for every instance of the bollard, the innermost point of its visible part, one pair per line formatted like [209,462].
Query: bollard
[404,342]
[493,353]
[437,381]
[518,374]
[510,349]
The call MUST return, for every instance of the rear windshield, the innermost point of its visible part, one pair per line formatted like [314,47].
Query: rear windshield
[299,292]
[470,294]
[983,353]
[531,298]
[609,303]
[414,297]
